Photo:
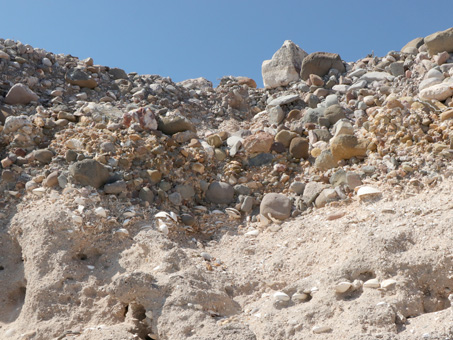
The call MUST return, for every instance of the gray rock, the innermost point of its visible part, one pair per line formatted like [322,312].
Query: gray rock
[284,67]
[20,94]
[187,191]
[377,76]
[326,196]
[115,188]
[62,181]
[312,115]
[312,190]
[174,123]
[146,195]
[89,172]
[325,161]
[118,73]
[320,63]
[108,147]
[322,134]
[369,170]
[276,114]
[187,219]
[78,77]
[357,73]
[43,156]
[359,84]
[242,189]
[297,187]
[353,180]
[261,159]
[70,156]
[397,68]
[278,205]
[331,99]
[283,100]
[175,198]
[220,193]
[247,204]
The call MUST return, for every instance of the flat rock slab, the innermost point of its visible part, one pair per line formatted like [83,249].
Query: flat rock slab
[283,100]
[377,76]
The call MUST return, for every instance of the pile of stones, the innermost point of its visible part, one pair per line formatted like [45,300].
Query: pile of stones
[321,131]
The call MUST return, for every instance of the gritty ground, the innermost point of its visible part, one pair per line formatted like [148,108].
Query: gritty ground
[66,282]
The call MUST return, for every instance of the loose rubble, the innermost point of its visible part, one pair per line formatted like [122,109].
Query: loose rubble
[134,177]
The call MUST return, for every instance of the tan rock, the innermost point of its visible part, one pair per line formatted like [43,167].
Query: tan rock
[440,42]
[316,80]
[246,81]
[446,115]
[285,137]
[258,143]
[346,147]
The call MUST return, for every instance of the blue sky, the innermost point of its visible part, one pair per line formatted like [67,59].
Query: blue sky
[199,38]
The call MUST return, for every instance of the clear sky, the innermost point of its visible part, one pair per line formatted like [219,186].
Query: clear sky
[200,38]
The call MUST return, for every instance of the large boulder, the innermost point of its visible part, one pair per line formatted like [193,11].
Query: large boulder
[346,147]
[20,94]
[89,172]
[174,123]
[320,63]
[438,92]
[440,42]
[412,46]
[258,143]
[220,193]
[284,67]
[76,76]
[278,205]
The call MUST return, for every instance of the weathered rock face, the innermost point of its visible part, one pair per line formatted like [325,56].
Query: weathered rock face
[277,205]
[284,67]
[320,63]
[440,42]
[20,94]
[89,172]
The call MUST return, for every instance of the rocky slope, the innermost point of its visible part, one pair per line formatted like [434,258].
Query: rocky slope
[133,207]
